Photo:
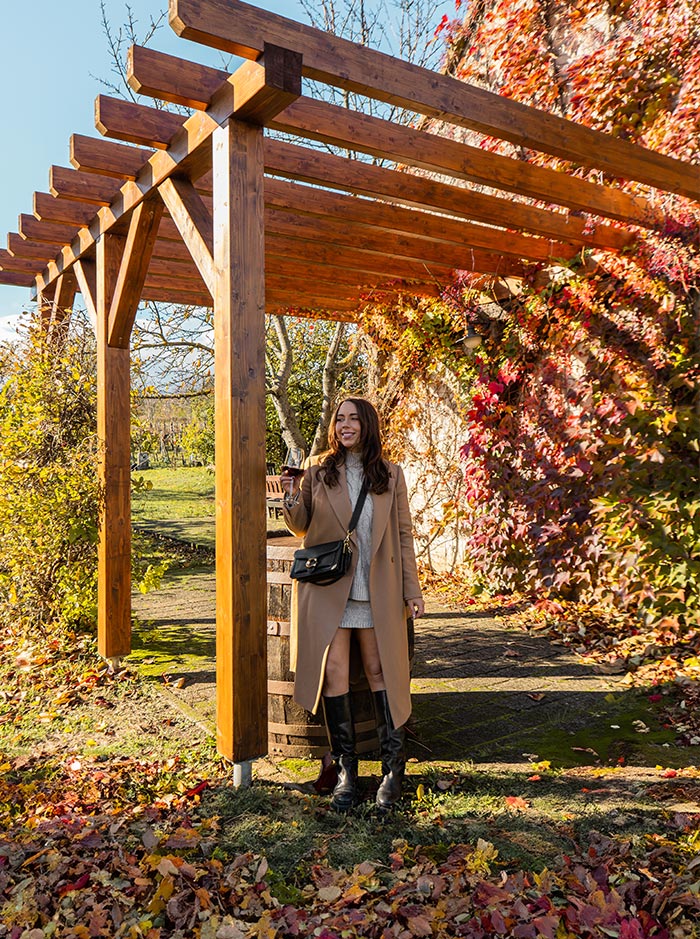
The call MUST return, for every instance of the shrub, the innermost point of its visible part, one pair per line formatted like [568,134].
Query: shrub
[48,480]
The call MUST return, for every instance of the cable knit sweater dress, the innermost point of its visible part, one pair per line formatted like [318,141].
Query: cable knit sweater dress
[358,613]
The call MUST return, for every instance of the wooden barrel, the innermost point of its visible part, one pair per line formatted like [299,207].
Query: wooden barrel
[293,731]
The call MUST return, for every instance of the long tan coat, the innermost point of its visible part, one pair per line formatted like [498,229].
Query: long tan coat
[322,515]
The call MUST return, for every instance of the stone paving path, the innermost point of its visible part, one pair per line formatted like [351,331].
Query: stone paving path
[481,691]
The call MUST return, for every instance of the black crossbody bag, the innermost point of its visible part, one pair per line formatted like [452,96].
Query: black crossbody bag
[325,564]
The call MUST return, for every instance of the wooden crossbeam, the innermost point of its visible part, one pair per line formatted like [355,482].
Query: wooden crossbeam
[360,225]
[330,124]
[164,76]
[48,207]
[322,203]
[65,183]
[8,262]
[387,243]
[22,248]
[193,87]
[280,246]
[106,157]
[15,279]
[136,123]
[194,222]
[302,163]
[189,152]
[143,231]
[242,29]
[54,233]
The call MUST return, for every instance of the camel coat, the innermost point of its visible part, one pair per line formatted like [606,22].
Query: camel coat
[321,515]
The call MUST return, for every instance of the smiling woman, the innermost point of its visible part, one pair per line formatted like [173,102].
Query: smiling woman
[368,605]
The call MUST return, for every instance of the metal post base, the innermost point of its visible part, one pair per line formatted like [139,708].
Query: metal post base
[243,774]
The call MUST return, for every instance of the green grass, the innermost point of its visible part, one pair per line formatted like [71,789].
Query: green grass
[294,828]
[177,493]
[180,504]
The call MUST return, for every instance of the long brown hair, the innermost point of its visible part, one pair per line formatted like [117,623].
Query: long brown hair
[375,468]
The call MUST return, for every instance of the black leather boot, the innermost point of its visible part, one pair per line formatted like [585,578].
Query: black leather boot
[341,734]
[391,743]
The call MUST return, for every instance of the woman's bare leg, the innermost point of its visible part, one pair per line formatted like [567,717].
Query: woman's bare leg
[370,659]
[336,680]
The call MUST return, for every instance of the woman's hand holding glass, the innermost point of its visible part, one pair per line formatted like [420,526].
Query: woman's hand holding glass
[290,479]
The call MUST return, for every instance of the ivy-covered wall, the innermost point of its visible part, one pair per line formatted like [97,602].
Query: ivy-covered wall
[579,416]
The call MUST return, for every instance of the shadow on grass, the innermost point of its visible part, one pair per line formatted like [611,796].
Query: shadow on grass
[295,829]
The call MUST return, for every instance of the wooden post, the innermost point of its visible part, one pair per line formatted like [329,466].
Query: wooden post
[239,308]
[113,430]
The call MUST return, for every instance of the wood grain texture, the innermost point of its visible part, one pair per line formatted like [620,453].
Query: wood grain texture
[243,29]
[54,233]
[86,275]
[67,183]
[113,431]
[326,169]
[92,155]
[136,123]
[318,203]
[327,123]
[148,71]
[138,247]
[22,248]
[49,208]
[239,330]
[194,223]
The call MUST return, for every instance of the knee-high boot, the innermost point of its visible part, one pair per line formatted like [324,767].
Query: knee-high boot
[391,742]
[341,734]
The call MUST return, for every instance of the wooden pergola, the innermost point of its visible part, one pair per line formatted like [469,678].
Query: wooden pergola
[208,209]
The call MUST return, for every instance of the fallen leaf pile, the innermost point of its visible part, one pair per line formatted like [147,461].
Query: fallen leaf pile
[127,848]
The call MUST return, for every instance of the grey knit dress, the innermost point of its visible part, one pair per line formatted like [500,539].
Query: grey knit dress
[358,612]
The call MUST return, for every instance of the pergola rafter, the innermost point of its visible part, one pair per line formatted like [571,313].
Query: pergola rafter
[208,209]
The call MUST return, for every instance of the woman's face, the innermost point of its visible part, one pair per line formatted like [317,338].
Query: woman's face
[348,429]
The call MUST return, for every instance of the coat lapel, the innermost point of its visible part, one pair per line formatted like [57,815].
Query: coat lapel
[340,499]
[381,505]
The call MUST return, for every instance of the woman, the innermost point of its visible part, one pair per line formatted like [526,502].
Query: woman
[369,602]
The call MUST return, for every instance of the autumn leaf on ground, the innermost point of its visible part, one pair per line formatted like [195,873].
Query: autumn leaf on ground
[517,804]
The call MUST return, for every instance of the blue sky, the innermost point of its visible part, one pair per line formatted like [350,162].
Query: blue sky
[51,57]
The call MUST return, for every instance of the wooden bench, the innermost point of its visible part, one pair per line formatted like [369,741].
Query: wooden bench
[274,496]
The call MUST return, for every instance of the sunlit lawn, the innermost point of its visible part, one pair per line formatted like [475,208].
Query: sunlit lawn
[180,503]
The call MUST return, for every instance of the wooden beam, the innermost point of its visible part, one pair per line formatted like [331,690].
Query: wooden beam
[321,203]
[92,155]
[193,87]
[350,234]
[22,248]
[49,208]
[194,222]
[136,123]
[54,233]
[65,183]
[113,431]
[280,246]
[302,163]
[8,262]
[143,231]
[63,298]
[320,121]
[15,279]
[242,29]
[86,275]
[165,77]
[189,154]
[239,331]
